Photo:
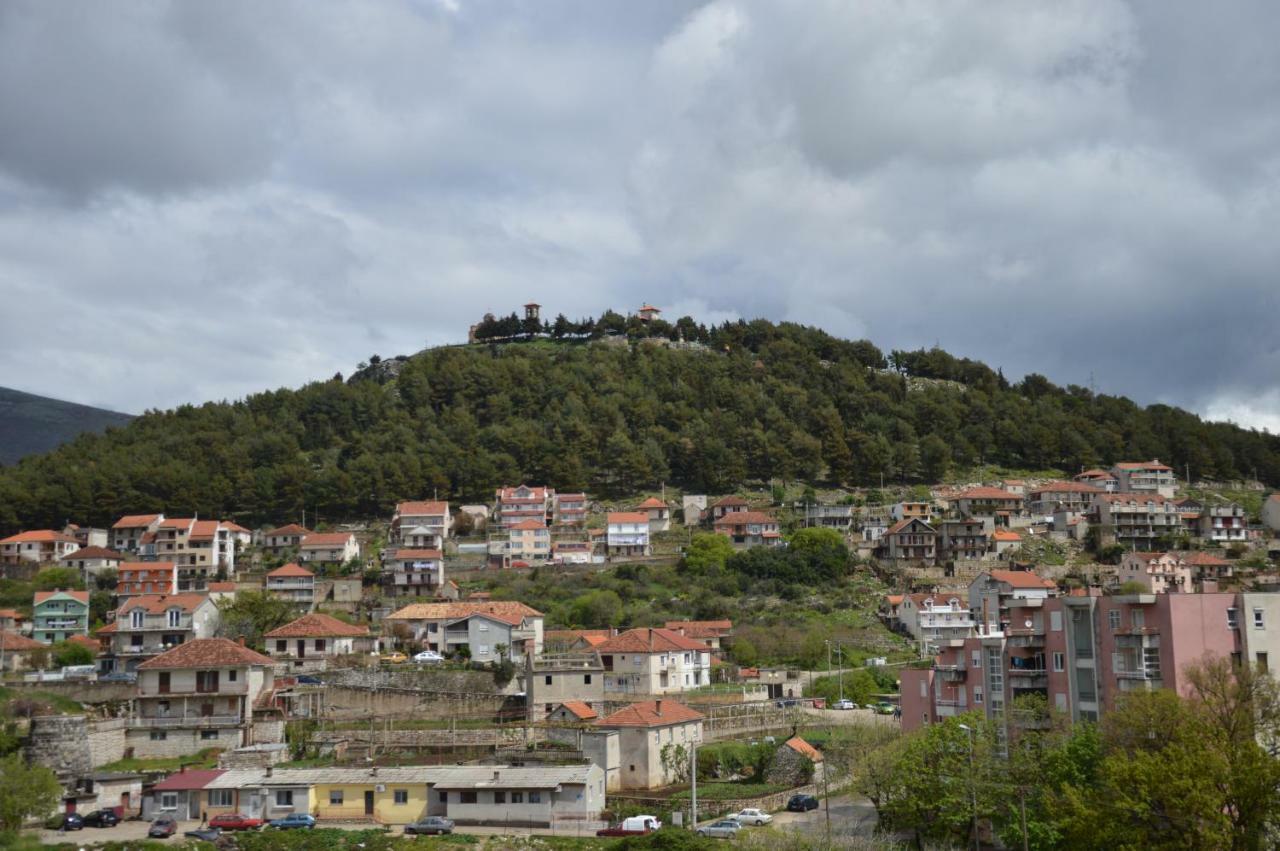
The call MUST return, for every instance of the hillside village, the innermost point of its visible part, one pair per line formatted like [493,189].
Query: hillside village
[566,653]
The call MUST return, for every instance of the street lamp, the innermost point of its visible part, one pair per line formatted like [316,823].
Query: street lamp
[973,784]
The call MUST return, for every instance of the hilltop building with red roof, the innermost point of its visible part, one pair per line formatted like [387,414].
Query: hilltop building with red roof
[294,583]
[644,730]
[317,637]
[647,661]
[150,624]
[282,538]
[627,533]
[659,514]
[749,529]
[128,531]
[329,548]
[39,546]
[58,615]
[482,626]
[420,525]
[1145,477]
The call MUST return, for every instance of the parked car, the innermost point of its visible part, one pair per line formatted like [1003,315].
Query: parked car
[162,827]
[429,826]
[395,658]
[308,680]
[235,821]
[844,704]
[204,834]
[752,816]
[723,829]
[428,657]
[633,826]
[66,821]
[102,818]
[118,677]
[783,704]
[305,821]
[802,803]
[884,707]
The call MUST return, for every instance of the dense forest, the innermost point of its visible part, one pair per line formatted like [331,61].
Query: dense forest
[618,410]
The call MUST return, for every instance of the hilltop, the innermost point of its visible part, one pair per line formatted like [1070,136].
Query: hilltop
[31,424]
[612,411]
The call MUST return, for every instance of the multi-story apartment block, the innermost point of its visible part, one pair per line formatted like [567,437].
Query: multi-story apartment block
[284,538]
[909,510]
[201,694]
[1135,520]
[994,503]
[1145,477]
[993,592]
[293,583]
[710,633]
[749,529]
[211,547]
[88,536]
[838,517]
[128,531]
[1100,479]
[515,505]
[1048,499]
[413,573]
[420,525]
[628,533]
[654,661]
[482,626]
[329,548]
[146,577]
[527,543]
[40,546]
[934,619]
[570,509]
[59,615]
[1157,573]
[659,514]
[1225,523]
[726,505]
[317,637]
[963,539]
[151,624]
[911,540]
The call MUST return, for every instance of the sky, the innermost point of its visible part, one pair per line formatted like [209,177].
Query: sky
[203,200]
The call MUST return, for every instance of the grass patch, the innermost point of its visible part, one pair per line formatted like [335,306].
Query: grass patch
[730,791]
[47,703]
[207,758]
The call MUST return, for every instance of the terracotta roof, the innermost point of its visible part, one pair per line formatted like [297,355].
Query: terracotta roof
[700,629]
[526,525]
[895,599]
[627,517]
[1142,465]
[645,640]
[10,613]
[147,567]
[176,523]
[326,539]
[291,569]
[509,610]
[1095,474]
[14,643]
[1022,579]
[204,530]
[1135,498]
[591,636]
[156,604]
[233,526]
[509,494]
[82,596]
[414,509]
[728,501]
[95,552]
[222,587]
[317,625]
[206,653]
[39,536]
[803,748]
[291,529]
[1203,560]
[580,710]
[652,502]
[904,523]
[986,493]
[135,521]
[401,555]
[1146,556]
[1066,487]
[91,643]
[651,713]
[738,518]
[1005,535]
[188,780]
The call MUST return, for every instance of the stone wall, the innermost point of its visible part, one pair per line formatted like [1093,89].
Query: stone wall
[61,743]
[178,742]
[107,740]
[349,702]
[92,693]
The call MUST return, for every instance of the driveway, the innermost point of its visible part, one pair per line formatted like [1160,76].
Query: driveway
[125,831]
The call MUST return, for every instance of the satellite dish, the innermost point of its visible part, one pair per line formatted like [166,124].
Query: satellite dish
[1028,623]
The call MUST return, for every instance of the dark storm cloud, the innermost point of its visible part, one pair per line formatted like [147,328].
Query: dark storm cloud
[198,200]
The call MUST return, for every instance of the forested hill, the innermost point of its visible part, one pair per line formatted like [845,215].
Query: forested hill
[31,424]
[737,403]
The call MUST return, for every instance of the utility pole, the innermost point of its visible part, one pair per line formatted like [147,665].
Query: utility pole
[973,785]
[1022,807]
[840,670]
[693,792]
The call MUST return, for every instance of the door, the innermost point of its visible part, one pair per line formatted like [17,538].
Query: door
[368,803]
[302,648]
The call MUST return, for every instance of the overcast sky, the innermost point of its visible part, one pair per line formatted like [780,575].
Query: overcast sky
[203,199]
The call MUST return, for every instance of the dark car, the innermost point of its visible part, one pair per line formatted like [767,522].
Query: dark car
[801,803]
[162,827]
[307,680]
[429,825]
[102,818]
[66,821]
[783,704]
[118,677]
[204,834]
[293,821]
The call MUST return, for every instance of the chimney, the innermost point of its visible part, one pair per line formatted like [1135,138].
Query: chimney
[657,708]
[496,775]
[241,640]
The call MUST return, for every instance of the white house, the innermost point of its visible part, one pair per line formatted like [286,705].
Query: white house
[444,627]
[329,548]
[645,730]
[151,624]
[420,525]
[647,661]
[317,636]
[627,533]
[293,583]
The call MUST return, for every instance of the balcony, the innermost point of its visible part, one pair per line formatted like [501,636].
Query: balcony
[1138,675]
[1025,637]
[1027,672]
[949,701]
[171,721]
[225,689]
[61,623]
[1137,639]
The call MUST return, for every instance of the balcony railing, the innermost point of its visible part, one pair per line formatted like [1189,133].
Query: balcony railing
[171,721]
[223,689]
[1138,675]
[1027,672]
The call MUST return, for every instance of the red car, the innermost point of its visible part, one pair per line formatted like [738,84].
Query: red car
[235,821]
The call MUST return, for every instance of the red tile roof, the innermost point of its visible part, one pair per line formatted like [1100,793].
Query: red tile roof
[1200,559]
[739,518]
[1005,535]
[415,509]
[700,629]
[82,596]
[803,748]
[176,523]
[188,780]
[508,610]
[1135,498]
[156,604]
[206,653]
[729,502]
[291,569]
[651,713]
[1066,487]
[96,552]
[14,643]
[1142,465]
[580,710]
[326,539]
[204,530]
[318,625]
[1022,579]
[222,587]
[92,643]
[421,555]
[652,502]
[986,493]
[233,526]
[645,640]
[627,517]
[39,536]
[135,521]
[527,525]
[538,494]
[289,530]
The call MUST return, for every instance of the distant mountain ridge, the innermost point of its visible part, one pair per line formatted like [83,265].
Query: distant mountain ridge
[31,425]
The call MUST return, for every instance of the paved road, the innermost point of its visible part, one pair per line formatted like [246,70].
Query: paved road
[849,817]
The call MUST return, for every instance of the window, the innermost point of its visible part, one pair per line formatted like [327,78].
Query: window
[535,797]
[586,679]
[517,797]
[1113,619]
[231,676]
[401,796]
[443,797]
[1059,662]
[206,681]
[499,797]
[1055,621]
[1233,619]
[135,618]
[547,680]
[281,645]
[1262,662]
[135,641]
[484,650]
[206,735]
[159,735]
[169,800]
[1137,618]
[1257,619]
[175,617]
[319,645]
[977,696]
[284,797]
[335,797]
[466,797]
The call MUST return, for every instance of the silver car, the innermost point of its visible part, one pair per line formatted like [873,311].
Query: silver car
[723,829]
[430,825]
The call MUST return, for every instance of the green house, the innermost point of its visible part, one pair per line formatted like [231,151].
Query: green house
[59,615]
